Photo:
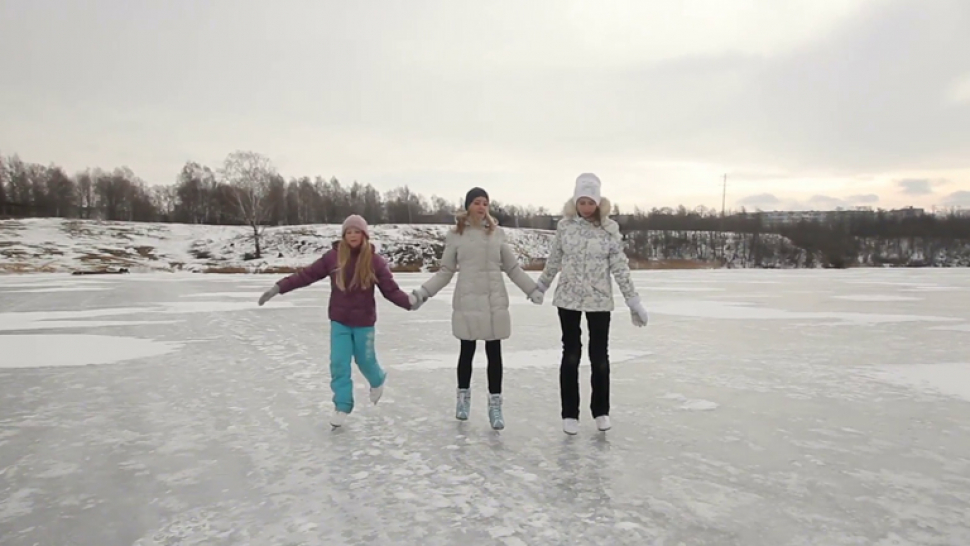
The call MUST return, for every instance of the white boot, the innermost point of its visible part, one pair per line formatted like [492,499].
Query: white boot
[570,426]
[495,411]
[464,404]
[337,419]
[603,423]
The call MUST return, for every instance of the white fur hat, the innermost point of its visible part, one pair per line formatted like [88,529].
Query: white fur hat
[587,185]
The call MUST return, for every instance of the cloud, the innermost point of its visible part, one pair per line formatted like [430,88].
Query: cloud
[472,91]
[759,200]
[829,202]
[958,93]
[918,186]
[815,202]
[958,199]
[825,202]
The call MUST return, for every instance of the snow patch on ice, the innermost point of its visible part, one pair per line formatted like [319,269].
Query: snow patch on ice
[965,327]
[43,320]
[54,289]
[59,350]
[949,379]
[548,358]
[875,297]
[934,289]
[681,289]
[241,295]
[691,404]
[747,311]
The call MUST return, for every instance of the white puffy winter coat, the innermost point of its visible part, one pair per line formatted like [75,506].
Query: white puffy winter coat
[480,305]
[587,258]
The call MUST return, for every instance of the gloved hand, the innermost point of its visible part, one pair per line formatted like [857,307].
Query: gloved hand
[536,296]
[637,313]
[269,294]
[417,297]
[415,301]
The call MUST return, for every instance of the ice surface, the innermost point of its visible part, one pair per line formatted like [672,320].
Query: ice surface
[741,416]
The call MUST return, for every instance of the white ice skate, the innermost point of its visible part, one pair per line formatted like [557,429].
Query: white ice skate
[464,404]
[495,411]
[376,392]
[603,423]
[570,426]
[337,419]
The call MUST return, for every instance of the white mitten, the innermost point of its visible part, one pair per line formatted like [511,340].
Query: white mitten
[269,294]
[536,296]
[637,313]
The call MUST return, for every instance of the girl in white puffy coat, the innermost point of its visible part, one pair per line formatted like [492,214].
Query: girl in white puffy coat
[588,255]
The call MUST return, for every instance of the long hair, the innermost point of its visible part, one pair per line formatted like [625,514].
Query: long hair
[462,218]
[364,276]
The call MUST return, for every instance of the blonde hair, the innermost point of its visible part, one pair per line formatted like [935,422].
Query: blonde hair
[462,217]
[364,275]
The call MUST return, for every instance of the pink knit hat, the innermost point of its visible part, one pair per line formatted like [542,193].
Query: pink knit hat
[356,222]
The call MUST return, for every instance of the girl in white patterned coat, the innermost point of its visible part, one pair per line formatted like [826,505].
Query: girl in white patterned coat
[588,252]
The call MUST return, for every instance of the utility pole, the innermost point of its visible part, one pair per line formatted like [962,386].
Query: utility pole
[723,202]
[724,195]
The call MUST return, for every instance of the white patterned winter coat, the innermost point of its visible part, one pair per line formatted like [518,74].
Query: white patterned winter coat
[480,305]
[587,257]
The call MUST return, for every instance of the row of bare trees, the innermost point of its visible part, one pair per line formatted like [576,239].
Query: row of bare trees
[245,189]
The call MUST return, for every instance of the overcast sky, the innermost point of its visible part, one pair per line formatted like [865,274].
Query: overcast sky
[803,103]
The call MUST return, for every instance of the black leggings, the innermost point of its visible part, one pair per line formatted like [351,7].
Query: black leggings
[493,349]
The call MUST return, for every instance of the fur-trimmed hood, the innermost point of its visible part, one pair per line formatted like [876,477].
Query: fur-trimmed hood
[606,208]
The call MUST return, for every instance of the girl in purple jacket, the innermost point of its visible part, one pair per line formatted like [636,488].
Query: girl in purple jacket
[354,269]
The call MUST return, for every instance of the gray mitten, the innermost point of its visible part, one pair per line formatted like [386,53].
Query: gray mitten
[269,294]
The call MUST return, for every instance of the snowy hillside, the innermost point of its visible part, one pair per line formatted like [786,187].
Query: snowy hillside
[57,245]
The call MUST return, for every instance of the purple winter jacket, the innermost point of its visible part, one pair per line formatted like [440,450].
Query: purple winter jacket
[356,307]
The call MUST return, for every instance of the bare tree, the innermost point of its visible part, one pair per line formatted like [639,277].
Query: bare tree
[250,174]
[164,199]
[85,193]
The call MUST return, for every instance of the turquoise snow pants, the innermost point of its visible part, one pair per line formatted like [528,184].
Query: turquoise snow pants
[346,343]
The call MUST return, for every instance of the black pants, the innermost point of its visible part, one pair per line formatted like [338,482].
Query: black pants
[493,350]
[572,353]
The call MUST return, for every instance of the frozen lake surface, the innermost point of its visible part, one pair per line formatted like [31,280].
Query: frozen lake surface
[758,408]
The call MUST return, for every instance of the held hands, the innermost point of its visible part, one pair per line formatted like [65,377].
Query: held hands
[269,294]
[536,296]
[417,298]
[637,313]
